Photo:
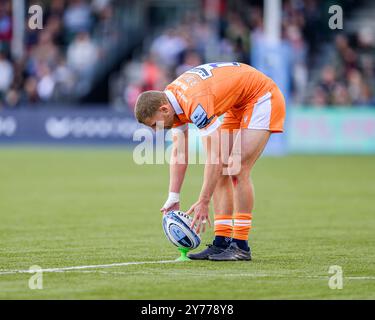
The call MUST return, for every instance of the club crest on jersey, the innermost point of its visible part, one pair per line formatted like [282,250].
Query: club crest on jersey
[199,117]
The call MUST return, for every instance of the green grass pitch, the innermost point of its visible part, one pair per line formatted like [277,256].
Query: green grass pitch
[80,207]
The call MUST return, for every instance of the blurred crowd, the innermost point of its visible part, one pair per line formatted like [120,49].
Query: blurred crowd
[59,59]
[345,77]
[215,34]
[348,78]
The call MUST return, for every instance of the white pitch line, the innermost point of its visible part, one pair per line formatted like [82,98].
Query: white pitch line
[252,275]
[99,266]
[121,264]
[359,278]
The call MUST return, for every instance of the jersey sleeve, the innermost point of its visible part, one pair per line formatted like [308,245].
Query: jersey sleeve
[202,114]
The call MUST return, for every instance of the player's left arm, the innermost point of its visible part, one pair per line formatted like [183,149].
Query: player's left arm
[177,167]
[208,124]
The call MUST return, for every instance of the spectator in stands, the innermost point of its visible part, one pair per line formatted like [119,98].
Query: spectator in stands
[65,79]
[319,97]
[131,93]
[328,82]
[341,46]
[82,53]
[239,35]
[12,98]
[77,18]
[167,47]
[54,26]
[340,96]
[152,75]
[105,29]
[5,21]
[366,56]
[6,74]
[30,93]
[311,24]
[46,83]
[56,8]
[359,90]
[191,58]
[366,41]
[44,52]
[299,57]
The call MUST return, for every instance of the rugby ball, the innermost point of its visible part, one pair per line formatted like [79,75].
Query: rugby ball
[176,226]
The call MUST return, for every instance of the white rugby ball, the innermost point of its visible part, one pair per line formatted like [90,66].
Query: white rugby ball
[176,226]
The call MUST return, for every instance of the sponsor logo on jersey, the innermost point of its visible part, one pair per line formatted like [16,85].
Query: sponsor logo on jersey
[199,117]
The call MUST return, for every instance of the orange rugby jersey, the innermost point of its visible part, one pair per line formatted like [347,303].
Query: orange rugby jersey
[204,93]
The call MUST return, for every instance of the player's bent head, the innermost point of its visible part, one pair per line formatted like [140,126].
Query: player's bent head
[153,106]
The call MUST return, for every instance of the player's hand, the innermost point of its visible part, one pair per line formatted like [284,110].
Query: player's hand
[201,216]
[170,207]
[172,203]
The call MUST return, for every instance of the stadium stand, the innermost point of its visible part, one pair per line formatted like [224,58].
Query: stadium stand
[79,42]
[82,43]
[328,68]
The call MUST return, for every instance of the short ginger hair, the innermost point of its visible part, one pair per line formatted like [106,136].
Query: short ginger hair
[148,103]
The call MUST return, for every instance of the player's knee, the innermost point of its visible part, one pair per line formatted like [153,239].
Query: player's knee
[222,185]
[241,176]
[223,180]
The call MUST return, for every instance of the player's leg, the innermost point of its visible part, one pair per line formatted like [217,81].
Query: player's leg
[267,115]
[223,205]
[249,145]
[222,197]
[259,121]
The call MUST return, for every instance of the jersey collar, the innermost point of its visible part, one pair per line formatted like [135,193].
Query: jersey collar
[172,99]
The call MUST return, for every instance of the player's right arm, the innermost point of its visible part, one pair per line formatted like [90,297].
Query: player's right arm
[177,168]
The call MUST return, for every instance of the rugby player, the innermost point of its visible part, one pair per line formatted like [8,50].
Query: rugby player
[253,108]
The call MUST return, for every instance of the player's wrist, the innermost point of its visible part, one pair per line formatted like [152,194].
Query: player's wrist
[174,197]
[204,199]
